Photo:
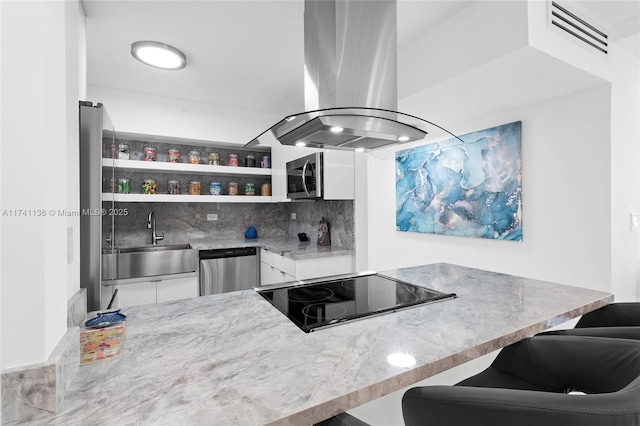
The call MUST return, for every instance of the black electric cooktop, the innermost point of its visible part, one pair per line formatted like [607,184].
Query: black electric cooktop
[334,301]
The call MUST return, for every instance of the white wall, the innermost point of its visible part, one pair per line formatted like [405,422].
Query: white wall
[622,69]
[76,87]
[39,81]
[581,151]
[479,33]
[625,175]
[154,115]
[566,212]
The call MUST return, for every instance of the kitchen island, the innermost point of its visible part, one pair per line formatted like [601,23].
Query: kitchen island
[233,359]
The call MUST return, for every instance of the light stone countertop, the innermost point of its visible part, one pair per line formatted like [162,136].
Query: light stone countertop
[285,247]
[233,359]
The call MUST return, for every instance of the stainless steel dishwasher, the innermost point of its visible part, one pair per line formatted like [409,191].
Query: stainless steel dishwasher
[225,270]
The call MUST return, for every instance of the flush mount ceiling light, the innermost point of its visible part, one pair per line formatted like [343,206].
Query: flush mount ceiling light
[158,55]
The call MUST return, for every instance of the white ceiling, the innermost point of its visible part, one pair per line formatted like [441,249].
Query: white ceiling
[246,54]
[242,54]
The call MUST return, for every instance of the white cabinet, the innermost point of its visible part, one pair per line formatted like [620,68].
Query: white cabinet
[164,288]
[324,266]
[339,176]
[176,289]
[276,268]
[272,275]
[136,294]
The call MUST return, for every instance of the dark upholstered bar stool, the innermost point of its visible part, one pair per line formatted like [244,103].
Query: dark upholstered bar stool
[619,320]
[543,380]
[613,315]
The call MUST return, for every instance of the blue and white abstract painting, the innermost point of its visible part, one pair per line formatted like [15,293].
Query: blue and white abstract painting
[470,189]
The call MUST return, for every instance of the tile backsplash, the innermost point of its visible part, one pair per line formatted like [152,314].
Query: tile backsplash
[181,222]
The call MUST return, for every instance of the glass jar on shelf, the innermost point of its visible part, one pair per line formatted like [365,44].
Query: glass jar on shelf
[265,190]
[124,185]
[194,157]
[250,160]
[173,155]
[123,151]
[214,159]
[195,186]
[233,160]
[149,186]
[149,153]
[215,188]
[232,188]
[249,188]
[173,187]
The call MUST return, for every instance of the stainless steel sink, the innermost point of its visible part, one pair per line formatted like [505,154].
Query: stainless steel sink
[148,261]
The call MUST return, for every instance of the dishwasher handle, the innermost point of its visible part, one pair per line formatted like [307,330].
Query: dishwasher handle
[223,253]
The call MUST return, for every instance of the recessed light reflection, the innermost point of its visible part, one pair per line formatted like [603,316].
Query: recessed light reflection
[399,359]
[360,149]
[301,144]
[336,129]
[403,138]
[293,117]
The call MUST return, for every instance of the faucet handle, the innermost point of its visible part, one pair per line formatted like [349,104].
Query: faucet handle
[160,237]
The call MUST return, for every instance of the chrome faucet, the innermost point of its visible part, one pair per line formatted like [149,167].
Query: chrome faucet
[151,224]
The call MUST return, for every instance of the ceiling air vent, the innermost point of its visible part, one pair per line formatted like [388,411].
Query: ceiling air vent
[578,29]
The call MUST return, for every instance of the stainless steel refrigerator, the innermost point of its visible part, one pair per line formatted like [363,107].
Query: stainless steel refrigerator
[96,134]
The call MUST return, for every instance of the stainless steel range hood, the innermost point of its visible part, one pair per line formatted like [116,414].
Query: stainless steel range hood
[350,80]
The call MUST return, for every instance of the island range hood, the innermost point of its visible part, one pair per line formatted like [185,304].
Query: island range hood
[350,80]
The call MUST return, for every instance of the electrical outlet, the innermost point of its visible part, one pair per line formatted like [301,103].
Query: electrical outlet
[212,216]
[293,216]
[634,221]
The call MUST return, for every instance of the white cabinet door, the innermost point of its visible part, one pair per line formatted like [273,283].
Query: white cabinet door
[283,277]
[339,176]
[272,275]
[177,288]
[266,274]
[134,294]
[275,268]
[278,261]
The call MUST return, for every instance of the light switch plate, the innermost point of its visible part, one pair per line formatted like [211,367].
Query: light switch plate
[293,216]
[212,216]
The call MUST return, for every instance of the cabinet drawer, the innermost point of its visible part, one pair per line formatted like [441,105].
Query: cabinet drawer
[282,263]
[324,267]
[176,289]
[135,294]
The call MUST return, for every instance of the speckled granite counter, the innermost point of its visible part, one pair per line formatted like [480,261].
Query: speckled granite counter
[286,247]
[233,359]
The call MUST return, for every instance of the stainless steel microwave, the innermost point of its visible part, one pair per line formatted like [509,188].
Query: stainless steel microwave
[304,177]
